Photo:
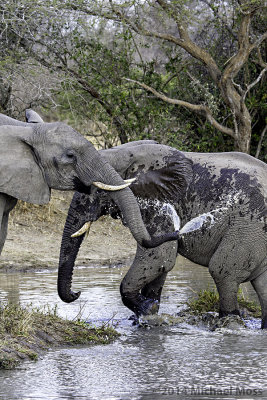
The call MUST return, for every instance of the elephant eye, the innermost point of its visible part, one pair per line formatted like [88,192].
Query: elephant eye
[70,156]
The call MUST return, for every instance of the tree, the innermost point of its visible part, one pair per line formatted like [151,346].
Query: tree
[232,93]
[24,83]
[206,56]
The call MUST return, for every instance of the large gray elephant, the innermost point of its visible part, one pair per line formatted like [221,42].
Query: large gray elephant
[37,156]
[217,201]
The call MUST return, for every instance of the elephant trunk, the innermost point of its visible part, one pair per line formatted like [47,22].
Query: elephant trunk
[131,213]
[68,253]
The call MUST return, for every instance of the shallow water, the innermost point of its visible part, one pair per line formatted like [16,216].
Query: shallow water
[159,363]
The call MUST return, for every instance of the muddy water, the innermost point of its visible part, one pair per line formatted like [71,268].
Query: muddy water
[159,363]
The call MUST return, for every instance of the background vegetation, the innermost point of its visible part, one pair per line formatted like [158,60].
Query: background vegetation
[191,74]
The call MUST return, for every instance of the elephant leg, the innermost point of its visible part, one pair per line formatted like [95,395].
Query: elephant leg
[153,289]
[222,269]
[7,203]
[142,285]
[228,298]
[235,259]
[260,286]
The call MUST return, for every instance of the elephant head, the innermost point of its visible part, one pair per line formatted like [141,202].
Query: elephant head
[36,156]
[161,175]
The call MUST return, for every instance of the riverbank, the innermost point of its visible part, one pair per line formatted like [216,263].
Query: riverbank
[26,333]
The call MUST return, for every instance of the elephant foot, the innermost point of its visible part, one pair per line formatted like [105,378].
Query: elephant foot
[264,323]
[149,307]
[223,314]
[231,321]
[140,305]
[134,319]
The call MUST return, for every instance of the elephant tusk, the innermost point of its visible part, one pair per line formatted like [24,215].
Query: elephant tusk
[130,180]
[84,228]
[111,188]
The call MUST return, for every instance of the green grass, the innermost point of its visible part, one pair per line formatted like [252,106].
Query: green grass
[208,300]
[251,306]
[26,332]
[15,320]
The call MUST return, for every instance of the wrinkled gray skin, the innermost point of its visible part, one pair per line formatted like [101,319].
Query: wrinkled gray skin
[218,201]
[37,156]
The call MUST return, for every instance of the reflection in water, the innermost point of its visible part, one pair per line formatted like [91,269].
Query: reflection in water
[162,362]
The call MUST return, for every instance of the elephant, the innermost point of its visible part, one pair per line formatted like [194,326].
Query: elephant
[217,203]
[36,157]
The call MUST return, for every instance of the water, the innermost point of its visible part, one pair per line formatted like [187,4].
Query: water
[159,363]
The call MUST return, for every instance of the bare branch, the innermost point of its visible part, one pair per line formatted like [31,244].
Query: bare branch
[238,87]
[237,61]
[141,30]
[85,85]
[249,87]
[260,142]
[200,109]
[184,41]
[220,17]
[260,59]
[259,41]
[187,44]
[71,5]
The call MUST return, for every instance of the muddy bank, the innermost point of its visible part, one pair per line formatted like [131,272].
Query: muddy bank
[25,333]
[34,238]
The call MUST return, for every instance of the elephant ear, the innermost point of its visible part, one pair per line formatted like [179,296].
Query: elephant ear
[32,117]
[20,175]
[161,172]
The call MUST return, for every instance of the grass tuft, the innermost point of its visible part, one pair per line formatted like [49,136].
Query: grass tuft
[25,332]
[15,321]
[207,300]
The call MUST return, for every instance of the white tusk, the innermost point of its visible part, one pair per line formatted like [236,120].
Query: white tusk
[111,188]
[84,228]
[130,180]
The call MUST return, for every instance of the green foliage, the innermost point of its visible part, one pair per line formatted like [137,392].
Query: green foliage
[208,300]
[89,52]
[252,307]
[257,104]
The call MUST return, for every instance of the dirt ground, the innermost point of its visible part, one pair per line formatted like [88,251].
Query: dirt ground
[34,238]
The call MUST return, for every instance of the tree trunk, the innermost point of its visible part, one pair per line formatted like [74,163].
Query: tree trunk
[241,116]
[242,143]
[5,97]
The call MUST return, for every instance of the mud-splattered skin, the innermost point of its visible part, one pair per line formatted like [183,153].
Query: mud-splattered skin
[229,200]
[217,201]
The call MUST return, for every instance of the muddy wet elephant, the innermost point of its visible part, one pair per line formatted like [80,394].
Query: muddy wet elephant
[36,156]
[216,201]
